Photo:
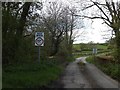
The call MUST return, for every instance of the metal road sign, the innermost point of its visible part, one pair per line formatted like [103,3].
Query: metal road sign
[39,39]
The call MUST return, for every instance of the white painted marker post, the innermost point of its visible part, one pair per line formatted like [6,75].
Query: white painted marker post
[94,52]
[39,41]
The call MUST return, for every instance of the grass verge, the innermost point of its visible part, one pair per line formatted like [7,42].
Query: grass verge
[109,68]
[33,75]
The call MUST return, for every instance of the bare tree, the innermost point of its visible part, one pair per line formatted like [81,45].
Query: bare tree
[69,23]
[54,23]
[110,14]
[59,21]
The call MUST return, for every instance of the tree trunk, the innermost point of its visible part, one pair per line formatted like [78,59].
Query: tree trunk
[117,34]
[20,28]
[22,22]
[23,18]
[55,48]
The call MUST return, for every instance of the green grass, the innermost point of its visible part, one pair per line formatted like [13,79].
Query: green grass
[30,75]
[101,46]
[77,55]
[109,68]
[90,59]
[76,46]
[70,59]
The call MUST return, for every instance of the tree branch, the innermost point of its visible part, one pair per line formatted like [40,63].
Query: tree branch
[95,3]
[96,17]
[88,7]
[19,10]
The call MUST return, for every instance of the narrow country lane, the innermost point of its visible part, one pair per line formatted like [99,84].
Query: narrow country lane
[73,78]
[89,76]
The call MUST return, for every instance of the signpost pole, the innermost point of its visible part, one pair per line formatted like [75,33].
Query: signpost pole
[39,54]
[39,41]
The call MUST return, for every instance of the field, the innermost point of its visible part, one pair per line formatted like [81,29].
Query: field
[87,49]
[99,46]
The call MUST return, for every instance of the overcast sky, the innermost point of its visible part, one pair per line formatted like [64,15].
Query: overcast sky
[94,30]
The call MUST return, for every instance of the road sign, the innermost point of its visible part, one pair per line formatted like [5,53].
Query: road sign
[39,39]
[94,50]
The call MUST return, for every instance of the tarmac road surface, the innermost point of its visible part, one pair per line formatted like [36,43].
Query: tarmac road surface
[87,76]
